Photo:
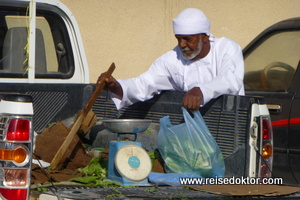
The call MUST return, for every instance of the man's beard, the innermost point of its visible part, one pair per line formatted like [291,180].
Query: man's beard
[195,53]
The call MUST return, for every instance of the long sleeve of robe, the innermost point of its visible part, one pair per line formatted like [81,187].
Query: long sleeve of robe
[220,72]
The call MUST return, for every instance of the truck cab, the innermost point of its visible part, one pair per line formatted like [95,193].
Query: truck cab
[43,71]
[272,71]
[42,55]
[49,35]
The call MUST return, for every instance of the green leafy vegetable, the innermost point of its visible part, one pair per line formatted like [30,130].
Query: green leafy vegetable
[94,173]
[94,168]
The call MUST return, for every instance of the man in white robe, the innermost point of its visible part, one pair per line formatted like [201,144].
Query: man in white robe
[201,65]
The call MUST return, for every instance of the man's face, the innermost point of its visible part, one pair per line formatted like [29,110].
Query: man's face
[190,45]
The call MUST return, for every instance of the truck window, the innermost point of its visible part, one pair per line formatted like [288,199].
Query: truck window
[53,52]
[272,64]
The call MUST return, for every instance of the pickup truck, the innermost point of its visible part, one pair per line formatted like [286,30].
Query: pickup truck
[42,56]
[16,143]
[272,71]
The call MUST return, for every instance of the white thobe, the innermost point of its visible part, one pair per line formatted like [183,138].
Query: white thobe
[220,72]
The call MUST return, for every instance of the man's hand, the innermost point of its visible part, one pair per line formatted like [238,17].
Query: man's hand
[112,85]
[193,99]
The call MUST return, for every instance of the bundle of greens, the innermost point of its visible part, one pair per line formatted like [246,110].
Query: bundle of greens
[95,173]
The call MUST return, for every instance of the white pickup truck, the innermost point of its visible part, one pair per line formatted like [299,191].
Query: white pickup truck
[42,56]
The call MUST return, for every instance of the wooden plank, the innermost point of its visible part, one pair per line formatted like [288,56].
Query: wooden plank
[61,151]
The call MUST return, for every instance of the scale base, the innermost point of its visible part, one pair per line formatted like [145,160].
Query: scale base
[113,173]
[125,182]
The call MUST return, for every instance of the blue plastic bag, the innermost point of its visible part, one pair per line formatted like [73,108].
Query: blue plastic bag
[189,147]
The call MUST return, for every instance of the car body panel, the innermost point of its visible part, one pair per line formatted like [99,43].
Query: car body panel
[279,44]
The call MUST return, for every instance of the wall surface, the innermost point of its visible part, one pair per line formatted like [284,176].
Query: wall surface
[133,33]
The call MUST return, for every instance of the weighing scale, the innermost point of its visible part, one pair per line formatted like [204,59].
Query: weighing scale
[128,163]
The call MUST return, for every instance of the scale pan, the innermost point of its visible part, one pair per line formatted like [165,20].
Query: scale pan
[126,125]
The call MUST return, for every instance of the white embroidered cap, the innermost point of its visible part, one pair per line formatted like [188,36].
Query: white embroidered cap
[191,21]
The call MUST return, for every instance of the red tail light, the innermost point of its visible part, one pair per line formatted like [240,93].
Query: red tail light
[266,129]
[17,194]
[16,136]
[266,160]
[18,130]
[15,157]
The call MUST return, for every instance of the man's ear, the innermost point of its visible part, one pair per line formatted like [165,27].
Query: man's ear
[205,38]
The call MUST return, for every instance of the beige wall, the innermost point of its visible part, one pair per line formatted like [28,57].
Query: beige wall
[133,33]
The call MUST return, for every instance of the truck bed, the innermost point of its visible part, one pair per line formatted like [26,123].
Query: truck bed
[227,117]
